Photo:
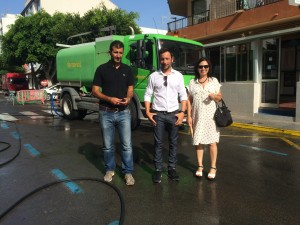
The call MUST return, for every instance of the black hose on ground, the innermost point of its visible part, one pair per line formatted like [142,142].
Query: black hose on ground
[9,145]
[122,202]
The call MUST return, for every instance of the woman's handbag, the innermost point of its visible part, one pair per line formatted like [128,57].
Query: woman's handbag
[222,115]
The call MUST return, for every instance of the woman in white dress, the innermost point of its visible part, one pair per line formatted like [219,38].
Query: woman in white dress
[203,92]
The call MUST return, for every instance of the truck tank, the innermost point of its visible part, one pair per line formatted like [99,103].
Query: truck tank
[76,65]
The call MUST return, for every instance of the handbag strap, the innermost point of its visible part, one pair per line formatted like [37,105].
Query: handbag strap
[223,103]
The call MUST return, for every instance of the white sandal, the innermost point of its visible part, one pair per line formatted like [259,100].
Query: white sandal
[199,173]
[211,176]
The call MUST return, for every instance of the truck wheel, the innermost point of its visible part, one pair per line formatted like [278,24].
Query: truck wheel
[135,121]
[67,108]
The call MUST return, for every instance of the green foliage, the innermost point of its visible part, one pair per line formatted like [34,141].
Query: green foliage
[5,68]
[100,18]
[33,39]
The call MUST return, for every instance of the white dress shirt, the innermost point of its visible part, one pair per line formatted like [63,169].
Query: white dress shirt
[165,97]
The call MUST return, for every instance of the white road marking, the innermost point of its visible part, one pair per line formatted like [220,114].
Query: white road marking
[32,115]
[7,117]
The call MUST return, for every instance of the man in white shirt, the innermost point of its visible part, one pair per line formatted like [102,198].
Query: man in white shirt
[166,85]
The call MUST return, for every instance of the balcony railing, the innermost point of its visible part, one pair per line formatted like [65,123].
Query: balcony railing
[217,11]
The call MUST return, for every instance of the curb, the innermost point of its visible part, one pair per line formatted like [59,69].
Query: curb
[266,129]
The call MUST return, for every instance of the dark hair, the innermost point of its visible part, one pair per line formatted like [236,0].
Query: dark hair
[116,44]
[164,50]
[197,74]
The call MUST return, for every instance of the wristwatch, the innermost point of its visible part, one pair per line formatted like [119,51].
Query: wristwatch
[180,111]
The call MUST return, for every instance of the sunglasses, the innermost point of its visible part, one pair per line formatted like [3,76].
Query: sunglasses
[165,81]
[205,66]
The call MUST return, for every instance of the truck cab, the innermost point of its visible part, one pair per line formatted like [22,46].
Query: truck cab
[12,82]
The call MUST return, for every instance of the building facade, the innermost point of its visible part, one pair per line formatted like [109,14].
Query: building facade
[254,46]
[5,22]
[64,6]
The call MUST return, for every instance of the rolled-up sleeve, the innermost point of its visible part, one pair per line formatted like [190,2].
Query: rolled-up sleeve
[182,90]
[149,90]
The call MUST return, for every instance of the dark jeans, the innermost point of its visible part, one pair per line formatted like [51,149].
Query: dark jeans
[165,122]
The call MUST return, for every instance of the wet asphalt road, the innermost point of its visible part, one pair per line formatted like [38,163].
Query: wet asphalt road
[257,182]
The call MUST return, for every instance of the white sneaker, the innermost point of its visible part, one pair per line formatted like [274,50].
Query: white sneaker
[108,176]
[129,179]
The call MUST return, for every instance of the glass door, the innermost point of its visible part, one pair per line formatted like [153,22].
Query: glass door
[270,73]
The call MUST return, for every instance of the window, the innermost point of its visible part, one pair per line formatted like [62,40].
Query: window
[38,5]
[200,11]
[199,6]
[214,55]
[270,49]
[232,63]
[185,55]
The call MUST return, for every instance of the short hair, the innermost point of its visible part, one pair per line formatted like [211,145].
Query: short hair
[164,50]
[116,44]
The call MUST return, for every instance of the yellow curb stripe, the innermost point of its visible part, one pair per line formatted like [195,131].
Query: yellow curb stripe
[291,143]
[266,129]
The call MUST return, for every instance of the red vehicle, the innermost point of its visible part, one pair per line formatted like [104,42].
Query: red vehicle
[12,82]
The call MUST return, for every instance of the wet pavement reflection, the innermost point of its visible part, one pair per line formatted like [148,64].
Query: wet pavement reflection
[257,182]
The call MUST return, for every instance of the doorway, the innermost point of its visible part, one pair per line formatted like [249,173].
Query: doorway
[280,73]
[289,73]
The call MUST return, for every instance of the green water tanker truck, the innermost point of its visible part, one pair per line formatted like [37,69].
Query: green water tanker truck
[77,64]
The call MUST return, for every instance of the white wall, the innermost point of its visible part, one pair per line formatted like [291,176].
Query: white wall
[241,98]
[67,6]
[6,21]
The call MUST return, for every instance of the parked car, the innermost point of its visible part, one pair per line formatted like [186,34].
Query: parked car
[53,90]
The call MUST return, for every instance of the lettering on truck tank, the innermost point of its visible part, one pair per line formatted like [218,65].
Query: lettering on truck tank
[74,64]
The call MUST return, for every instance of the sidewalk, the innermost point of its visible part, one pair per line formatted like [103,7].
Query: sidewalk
[268,123]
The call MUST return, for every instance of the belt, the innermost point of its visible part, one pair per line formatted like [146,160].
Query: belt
[107,109]
[166,112]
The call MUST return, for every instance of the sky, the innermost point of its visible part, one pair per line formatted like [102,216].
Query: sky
[153,13]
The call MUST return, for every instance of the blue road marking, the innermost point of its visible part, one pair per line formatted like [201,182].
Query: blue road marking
[74,188]
[15,135]
[4,125]
[116,222]
[264,150]
[32,150]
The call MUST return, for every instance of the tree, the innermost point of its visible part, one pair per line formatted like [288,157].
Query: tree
[5,68]
[32,40]
[96,19]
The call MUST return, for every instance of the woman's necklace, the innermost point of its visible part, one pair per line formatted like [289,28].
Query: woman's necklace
[203,81]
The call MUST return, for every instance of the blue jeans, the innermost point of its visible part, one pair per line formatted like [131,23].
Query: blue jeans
[165,122]
[109,121]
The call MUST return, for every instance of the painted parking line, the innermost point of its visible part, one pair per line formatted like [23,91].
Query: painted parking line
[73,187]
[4,125]
[251,136]
[291,143]
[32,150]
[264,150]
